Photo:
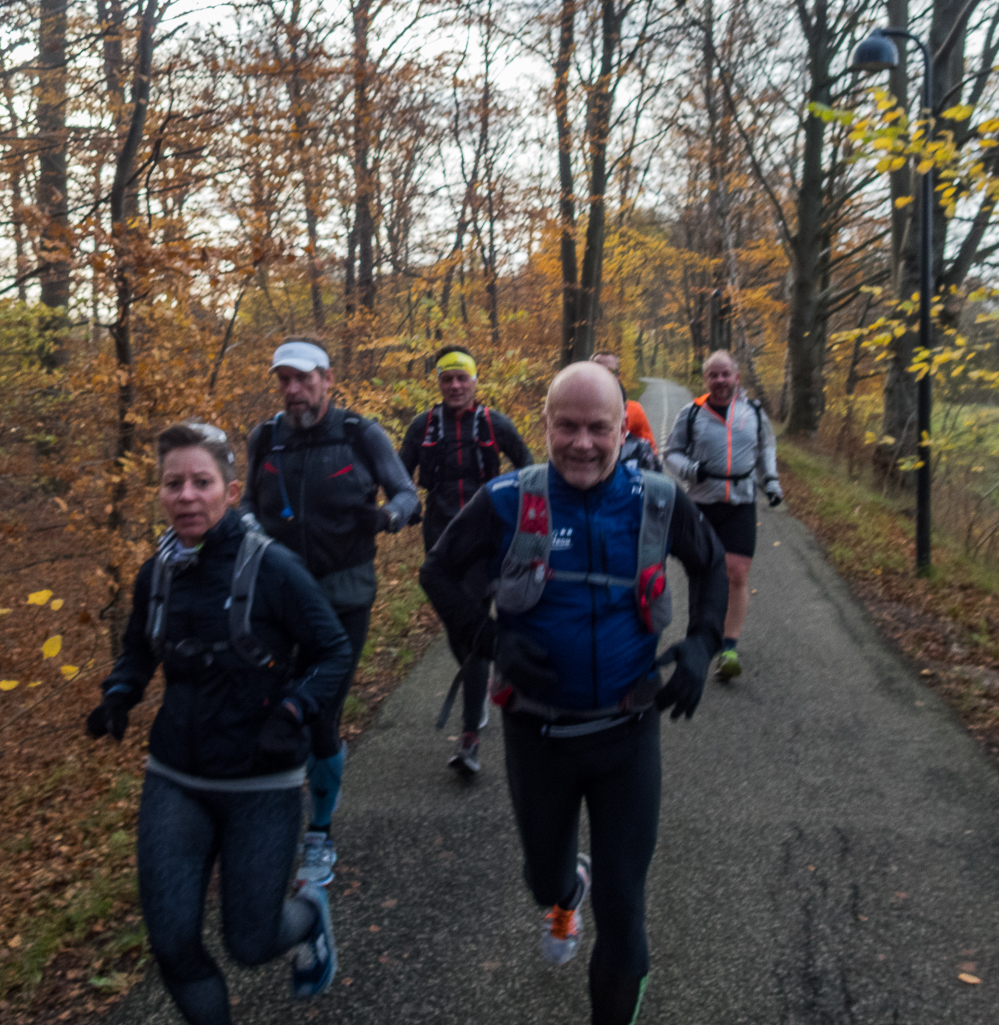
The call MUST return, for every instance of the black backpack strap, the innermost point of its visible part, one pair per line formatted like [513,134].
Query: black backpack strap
[355,427]
[244,583]
[691,417]
[159,594]
[265,441]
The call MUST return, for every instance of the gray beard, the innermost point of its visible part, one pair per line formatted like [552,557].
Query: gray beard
[303,421]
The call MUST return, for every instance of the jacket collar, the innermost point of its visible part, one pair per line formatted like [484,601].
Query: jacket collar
[556,482]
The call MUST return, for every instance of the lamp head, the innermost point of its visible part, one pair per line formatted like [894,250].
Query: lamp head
[876,53]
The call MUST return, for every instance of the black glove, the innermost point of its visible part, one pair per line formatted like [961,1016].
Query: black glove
[524,664]
[110,716]
[701,473]
[774,499]
[283,742]
[372,518]
[684,689]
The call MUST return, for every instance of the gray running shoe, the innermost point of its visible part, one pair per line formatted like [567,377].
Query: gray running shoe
[318,858]
[484,718]
[562,928]
[466,758]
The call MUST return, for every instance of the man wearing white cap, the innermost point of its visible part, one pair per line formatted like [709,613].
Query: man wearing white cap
[457,447]
[313,474]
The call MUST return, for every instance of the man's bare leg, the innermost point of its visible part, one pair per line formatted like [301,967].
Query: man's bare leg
[738,593]
[738,603]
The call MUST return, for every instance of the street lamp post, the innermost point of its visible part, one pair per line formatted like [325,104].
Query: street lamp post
[878,53]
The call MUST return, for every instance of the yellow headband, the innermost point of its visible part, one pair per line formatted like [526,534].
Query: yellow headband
[457,361]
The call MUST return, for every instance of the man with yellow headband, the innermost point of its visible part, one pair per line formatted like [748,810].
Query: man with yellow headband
[457,447]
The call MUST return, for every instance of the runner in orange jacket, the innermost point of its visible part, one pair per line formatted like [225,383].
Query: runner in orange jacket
[638,422]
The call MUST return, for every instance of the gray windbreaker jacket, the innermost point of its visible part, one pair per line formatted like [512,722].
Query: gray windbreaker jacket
[734,452]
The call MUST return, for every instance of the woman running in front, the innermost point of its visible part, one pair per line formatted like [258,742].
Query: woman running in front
[228,748]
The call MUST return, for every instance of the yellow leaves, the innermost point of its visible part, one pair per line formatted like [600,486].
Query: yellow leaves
[992,125]
[8,684]
[887,144]
[960,112]
[897,164]
[69,671]
[5,612]
[903,201]
[35,683]
[52,646]
[57,604]
[39,597]
[971,980]
[923,166]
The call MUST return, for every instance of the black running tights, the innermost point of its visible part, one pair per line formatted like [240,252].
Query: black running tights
[326,730]
[618,773]
[181,832]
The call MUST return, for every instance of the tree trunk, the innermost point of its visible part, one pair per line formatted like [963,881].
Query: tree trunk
[124,288]
[310,196]
[806,336]
[598,122]
[52,180]
[899,409]
[364,224]
[567,206]
[16,175]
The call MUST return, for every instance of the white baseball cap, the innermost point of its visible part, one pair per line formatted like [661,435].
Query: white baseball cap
[300,355]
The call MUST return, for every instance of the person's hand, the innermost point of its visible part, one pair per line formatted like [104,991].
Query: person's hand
[524,664]
[110,716]
[372,518]
[283,742]
[700,473]
[684,688]
[774,494]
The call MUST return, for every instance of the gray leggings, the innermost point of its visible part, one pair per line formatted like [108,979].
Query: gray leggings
[181,832]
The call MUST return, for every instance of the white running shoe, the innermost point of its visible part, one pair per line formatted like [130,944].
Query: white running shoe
[318,859]
[562,928]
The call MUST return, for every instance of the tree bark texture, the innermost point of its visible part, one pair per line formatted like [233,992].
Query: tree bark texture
[52,196]
[124,256]
[599,105]
[950,82]
[567,205]
[809,244]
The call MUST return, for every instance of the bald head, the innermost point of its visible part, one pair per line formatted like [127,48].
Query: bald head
[584,424]
[721,375]
[718,357]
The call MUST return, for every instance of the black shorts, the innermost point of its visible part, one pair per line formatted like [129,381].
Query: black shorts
[735,525]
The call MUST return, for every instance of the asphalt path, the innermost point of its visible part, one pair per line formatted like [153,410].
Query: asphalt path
[828,847]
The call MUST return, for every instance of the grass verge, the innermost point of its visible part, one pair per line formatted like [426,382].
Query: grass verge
[946,623]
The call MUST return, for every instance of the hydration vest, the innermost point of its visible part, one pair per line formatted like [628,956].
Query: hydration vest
[244,580]
[486,450]
[526,570]
[695,408]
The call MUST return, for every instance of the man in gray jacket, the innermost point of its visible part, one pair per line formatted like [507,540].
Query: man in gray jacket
[722,443]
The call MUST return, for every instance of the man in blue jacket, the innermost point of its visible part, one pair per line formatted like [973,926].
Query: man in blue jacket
[581,596]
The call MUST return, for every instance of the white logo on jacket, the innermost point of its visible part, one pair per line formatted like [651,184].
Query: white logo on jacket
[562,539]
